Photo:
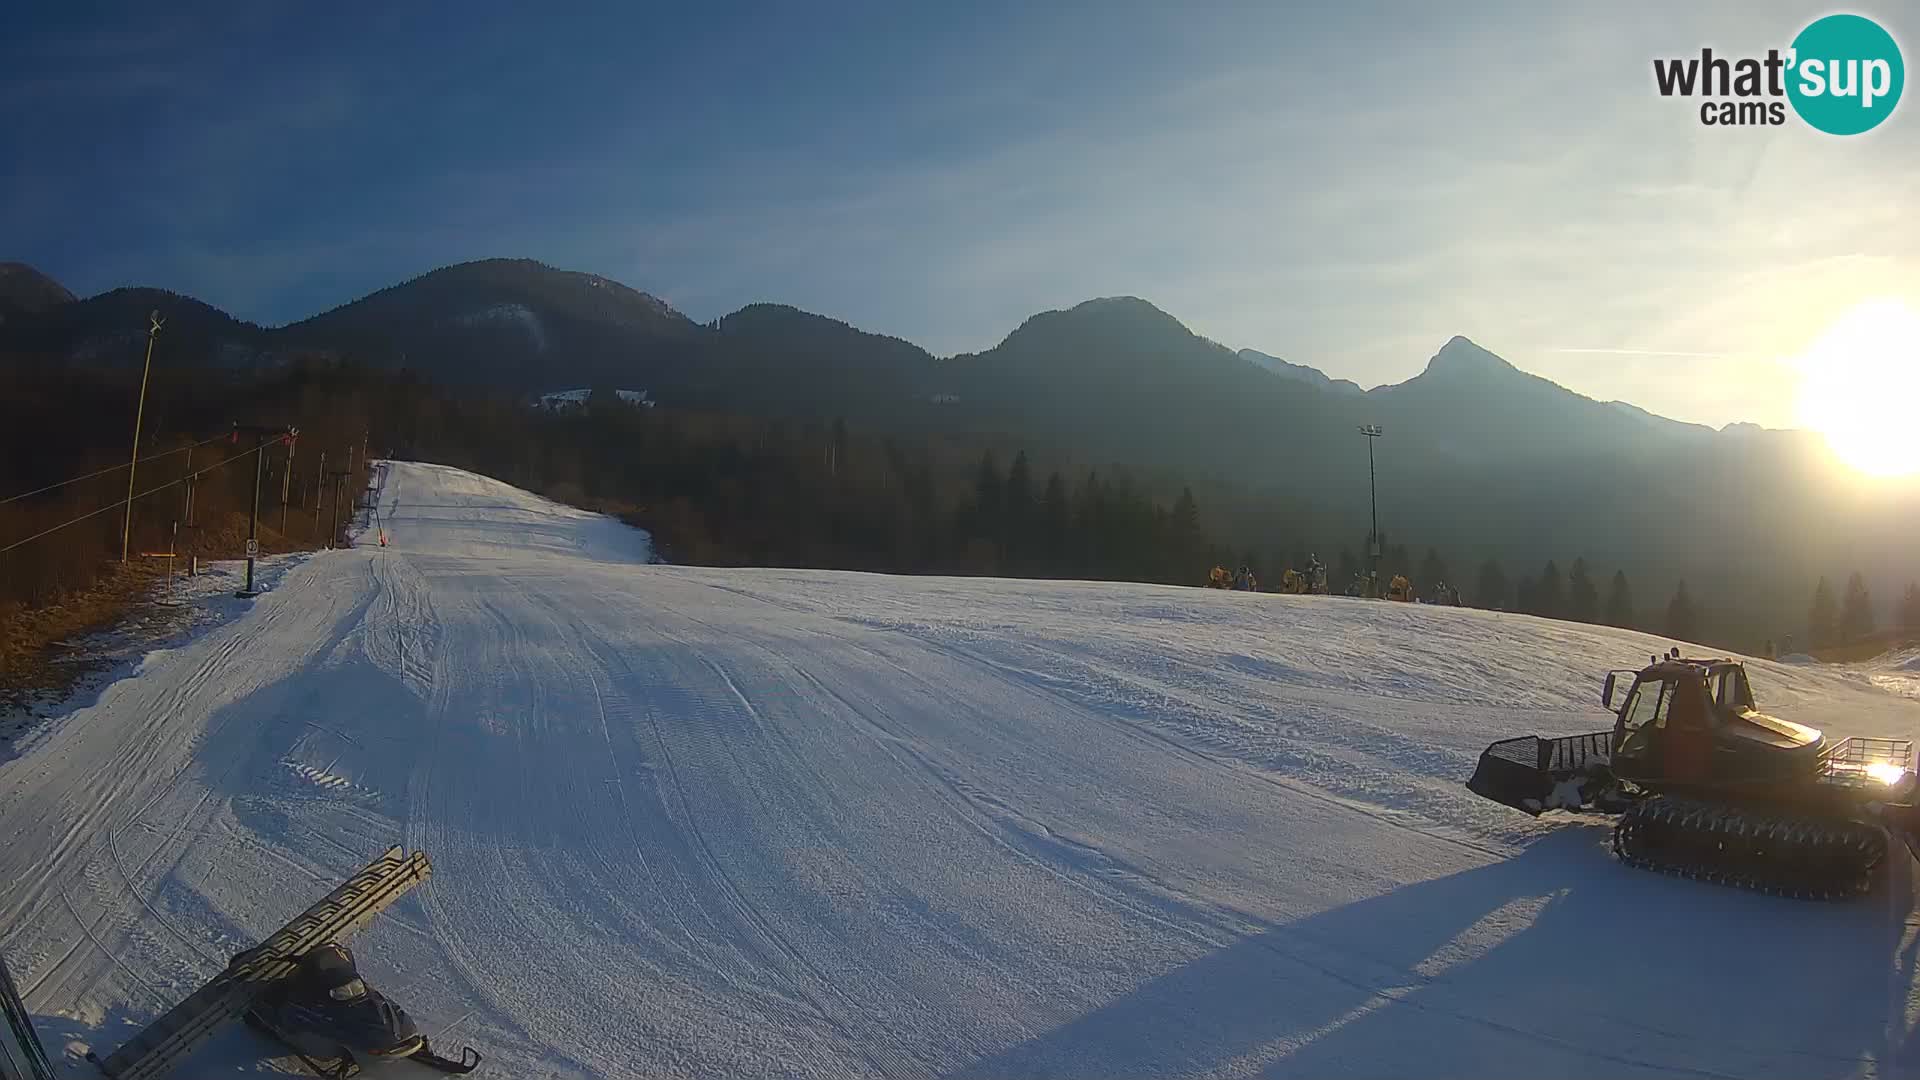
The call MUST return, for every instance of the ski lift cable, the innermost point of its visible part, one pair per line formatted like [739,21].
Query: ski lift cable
[118,503]
[110,468]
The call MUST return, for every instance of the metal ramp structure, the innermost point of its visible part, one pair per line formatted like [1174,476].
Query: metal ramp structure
[155,1051]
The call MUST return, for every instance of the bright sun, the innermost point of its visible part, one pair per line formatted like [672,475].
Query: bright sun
[1860,381]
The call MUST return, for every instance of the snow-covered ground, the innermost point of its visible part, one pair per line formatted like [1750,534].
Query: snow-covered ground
[560,400]
[183,606]
[1897,672]
[698,822]
[514,314]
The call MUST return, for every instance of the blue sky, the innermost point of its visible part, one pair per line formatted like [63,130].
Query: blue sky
[1342,185]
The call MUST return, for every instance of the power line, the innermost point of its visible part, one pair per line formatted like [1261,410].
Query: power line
[123,502]
[111,468]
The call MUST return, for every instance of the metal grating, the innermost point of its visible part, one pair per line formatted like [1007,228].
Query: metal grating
[1573,753]
[1861,761]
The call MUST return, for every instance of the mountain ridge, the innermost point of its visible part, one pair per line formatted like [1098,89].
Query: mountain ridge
[510,319]
[1479,458]
[25,290]
[1301,372]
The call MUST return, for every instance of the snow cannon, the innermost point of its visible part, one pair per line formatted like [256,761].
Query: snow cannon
[1708,787]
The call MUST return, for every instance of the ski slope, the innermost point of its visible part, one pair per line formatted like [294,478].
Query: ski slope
[700,822]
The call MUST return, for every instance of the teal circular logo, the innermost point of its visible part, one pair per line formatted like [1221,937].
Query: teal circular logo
[1846,74]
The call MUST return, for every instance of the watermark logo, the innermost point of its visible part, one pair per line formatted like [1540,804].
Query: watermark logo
[1850,74]
[1842,75]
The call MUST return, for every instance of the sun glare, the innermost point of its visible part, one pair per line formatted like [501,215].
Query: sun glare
[1859,382]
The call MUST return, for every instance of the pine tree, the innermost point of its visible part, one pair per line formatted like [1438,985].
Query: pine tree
[1183,529]
[1186,514]
[1583,599]
[1433,571]
[980,529]
[1549,597]
[1089,522]
[1344,572]
[1619,601]
[1526,598]
[1056,520]
[1397,561]
[1016,514]
[837,454]
[1681,616]
[987,488]
[1856,611]
[1910,610]
[1491,591]
[1822,621]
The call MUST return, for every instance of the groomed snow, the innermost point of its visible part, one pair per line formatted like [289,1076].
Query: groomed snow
[1897,672]
[697,822]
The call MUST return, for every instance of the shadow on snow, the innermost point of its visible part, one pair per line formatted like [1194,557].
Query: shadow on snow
[1575,965]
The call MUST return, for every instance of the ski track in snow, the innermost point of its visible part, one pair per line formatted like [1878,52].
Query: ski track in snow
[697,822]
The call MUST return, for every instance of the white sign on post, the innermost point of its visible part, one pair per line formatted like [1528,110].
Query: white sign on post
[253,548]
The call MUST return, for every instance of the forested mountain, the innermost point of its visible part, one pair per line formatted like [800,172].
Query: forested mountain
[508,323]
[777,360]
[110,331]
[1119,376]
[1310,375]
[24,290]
[1479,459]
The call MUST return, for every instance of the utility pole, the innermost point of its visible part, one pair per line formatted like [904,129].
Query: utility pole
[319,478]
[286,486]
[186,495]
[263,437]
[253,519]
[1372,432]
[339,477]
[139,414]
[352,499]
[187,512]
[326,535]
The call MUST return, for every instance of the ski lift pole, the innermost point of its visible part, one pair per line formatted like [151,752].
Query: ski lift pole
[319,479]
[339,478]
[186,496]
[286,484]
[264,437]
[253,519]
